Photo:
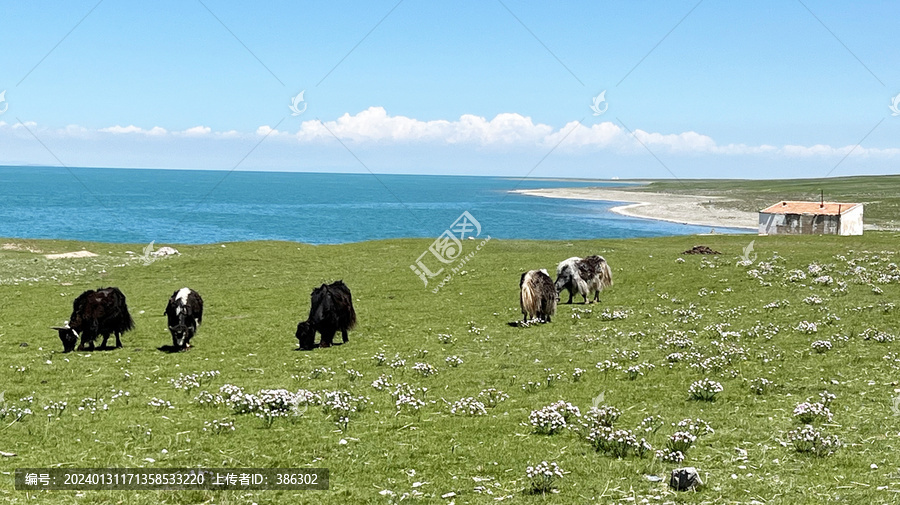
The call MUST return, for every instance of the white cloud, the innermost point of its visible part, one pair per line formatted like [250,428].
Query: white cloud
[118,130]
[122,129]
[375,125]
[196,131]
[507,130]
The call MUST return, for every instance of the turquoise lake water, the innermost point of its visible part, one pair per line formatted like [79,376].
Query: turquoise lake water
[199,206]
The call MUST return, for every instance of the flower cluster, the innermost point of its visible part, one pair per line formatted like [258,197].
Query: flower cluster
[821,346]
[218,426]
[15,412]
[379,359]
[543,476]
[54,408]
[552,377]
[468,406]
[678,340]
[669,456]
[812,441]
[812,300]
[492,397]
[547,421]
[382,382]
[807,327]
[808,413]
[576,374]
[445,338]
[796,276]
[876,335]
[207,399]
[425,369]
[194,380]
[453,361]
[705,390]
[612,315]
[339,405]
[606,366]
[626,355]
[407,398]
[155,402]
[604,415]
[635,371]
[353,374]
[681,441]
[777,304]
[320,372]
[697,427]
[650,424]
[761,385]
[617,443]
[120,394]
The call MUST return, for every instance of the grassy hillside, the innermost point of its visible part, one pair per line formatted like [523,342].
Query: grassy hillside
[879,193]
[732,323]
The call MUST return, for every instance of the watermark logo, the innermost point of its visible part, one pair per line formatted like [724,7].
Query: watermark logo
[748,251]
[5,106]
[295,104]
[447,249]
[895,405]
[598,400]
[895,105]
[148,257]
[299,410]
[598,100]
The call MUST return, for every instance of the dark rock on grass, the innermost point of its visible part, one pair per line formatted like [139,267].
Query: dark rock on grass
[683,479]
[700,249]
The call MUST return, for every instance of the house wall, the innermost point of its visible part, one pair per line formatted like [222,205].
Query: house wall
[768,223]
[798,224]
[852,221]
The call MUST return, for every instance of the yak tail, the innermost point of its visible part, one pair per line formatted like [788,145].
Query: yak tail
[352,323]
[528,299]
[605,275]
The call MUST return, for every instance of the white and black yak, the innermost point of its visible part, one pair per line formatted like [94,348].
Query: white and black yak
[101,312]
[588,276]
[331,310]
[185,313]
[537,296]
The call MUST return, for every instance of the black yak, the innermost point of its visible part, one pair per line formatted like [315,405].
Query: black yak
[537,295]
[100,312]
[185,313]
[588,276]
[331,309]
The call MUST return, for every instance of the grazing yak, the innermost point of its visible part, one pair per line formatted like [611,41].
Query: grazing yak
[100,312]
[588,276]
[185,313]
[331,309]
[537,295]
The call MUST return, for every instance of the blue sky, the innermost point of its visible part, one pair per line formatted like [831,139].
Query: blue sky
[708,89]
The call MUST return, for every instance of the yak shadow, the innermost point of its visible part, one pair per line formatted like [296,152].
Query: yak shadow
[171,349]
[99,348]
[317,346]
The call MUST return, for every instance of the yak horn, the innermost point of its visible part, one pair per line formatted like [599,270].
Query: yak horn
[59,328]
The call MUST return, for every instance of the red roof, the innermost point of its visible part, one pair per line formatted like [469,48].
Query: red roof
[817,208]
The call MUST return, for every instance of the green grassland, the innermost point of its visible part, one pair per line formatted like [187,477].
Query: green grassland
[256,292]
[879,193]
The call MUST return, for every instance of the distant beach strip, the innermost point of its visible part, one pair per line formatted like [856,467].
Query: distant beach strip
[682,209]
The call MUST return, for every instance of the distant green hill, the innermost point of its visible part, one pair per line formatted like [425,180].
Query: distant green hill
[879,193]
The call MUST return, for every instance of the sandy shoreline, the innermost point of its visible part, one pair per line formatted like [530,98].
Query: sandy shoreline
[683,209]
